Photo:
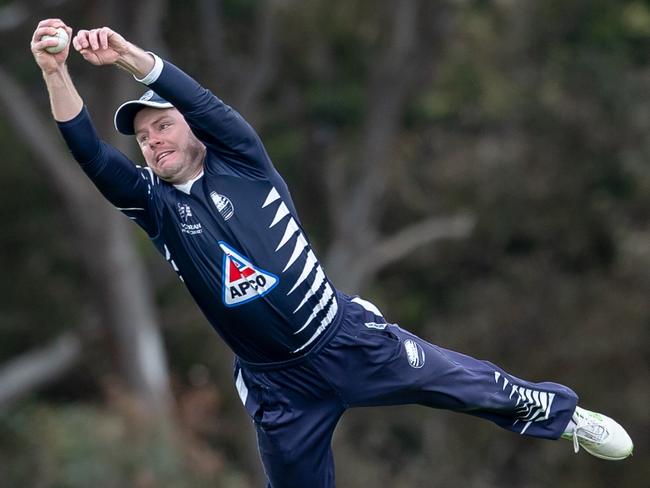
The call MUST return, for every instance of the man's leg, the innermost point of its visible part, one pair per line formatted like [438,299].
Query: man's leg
[383,364]
[310,464]
[405,369]
[294,415]
[461,383]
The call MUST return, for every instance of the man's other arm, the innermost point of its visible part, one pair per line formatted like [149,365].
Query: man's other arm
[215,123]
[112,172]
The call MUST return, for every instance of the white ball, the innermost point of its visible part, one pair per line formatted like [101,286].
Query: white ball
[61,36]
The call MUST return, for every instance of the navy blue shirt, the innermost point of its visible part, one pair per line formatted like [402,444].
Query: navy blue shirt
[233,235]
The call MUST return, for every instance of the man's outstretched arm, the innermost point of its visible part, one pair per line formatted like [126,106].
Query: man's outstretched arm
[126,186]
[65,101]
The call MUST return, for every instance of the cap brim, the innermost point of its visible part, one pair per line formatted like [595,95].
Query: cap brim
[125,114]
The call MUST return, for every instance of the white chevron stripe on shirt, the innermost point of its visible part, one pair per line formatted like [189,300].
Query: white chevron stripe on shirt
[272,197]
[310,263]
[331,313]
[282,212]
[327,295]
[301,244]
[292,228]
[319,279]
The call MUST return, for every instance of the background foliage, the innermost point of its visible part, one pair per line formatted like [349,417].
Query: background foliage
[528,118]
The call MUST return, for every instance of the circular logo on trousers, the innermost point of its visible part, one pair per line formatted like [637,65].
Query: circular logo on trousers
[415,353]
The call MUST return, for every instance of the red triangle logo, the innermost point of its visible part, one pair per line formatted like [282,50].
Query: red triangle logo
[239,270]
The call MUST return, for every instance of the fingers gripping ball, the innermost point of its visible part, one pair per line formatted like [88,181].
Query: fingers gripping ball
[61,36]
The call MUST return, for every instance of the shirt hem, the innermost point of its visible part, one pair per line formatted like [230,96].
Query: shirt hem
[319,344]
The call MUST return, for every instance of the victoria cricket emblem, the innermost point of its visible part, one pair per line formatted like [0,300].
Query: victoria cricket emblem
[223,204]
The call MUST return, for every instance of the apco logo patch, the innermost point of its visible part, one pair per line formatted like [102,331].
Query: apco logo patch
[243,282]
[415,353]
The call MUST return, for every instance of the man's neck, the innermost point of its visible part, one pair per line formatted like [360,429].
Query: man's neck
[186,186]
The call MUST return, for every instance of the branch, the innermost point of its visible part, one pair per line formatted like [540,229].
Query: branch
[399,245]
[413,236]
[36,368]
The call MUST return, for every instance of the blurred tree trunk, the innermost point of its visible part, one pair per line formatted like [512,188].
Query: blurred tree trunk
[102,236]
[106,251]
[358,250]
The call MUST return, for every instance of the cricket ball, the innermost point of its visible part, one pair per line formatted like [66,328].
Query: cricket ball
[62,38]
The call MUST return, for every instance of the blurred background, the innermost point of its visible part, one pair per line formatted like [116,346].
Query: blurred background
[478,169]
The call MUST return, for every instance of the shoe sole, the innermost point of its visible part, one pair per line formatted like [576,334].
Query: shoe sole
[608,458]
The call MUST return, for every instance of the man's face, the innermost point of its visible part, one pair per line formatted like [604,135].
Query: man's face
[168,145]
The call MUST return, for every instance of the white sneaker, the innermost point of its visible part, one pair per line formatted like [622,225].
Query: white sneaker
[599,435]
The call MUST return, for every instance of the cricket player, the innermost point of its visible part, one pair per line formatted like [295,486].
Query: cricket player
[214,206]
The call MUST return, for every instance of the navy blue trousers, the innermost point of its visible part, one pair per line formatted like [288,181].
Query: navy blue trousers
[366,361]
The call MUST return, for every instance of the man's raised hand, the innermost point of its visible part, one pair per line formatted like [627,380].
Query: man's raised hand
[49,62]
[100,46]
